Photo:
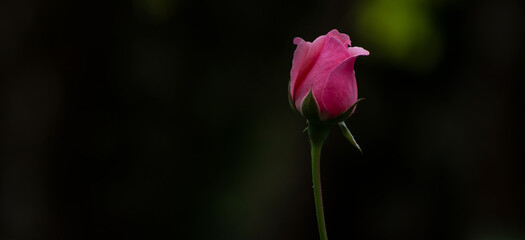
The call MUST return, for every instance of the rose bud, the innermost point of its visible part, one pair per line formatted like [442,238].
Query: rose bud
[322,84]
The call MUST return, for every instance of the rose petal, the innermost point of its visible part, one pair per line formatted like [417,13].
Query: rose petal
[339,91]
[299,58]
[343,38]
[331,55]
[302,65]
[357,51]
[297,40]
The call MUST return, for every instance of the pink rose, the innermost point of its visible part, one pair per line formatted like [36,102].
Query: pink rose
[323,70]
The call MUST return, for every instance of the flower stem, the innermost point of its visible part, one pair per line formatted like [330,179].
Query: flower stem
[318,134]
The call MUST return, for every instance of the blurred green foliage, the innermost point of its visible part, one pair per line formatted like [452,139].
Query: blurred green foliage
[158,10]
[401,32]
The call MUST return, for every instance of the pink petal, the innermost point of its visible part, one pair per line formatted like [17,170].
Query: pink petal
[340,90]
[332,54]
[297,40]
[357,51]
[299,58]
[301,65]
[343,38]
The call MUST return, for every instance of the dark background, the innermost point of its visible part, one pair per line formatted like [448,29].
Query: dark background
[158,119]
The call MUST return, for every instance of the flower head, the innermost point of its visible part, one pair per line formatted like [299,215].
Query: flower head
[323,71]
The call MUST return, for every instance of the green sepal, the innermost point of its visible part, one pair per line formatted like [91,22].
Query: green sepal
[310,109]
[346,132]
[346,114]
[318,132]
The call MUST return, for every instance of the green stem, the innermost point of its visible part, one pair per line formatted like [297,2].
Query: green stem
[318,134]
